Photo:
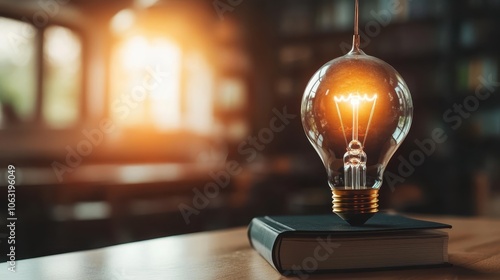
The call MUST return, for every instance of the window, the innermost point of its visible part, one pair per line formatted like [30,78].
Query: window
[61,76]
[17,72]
[156,83]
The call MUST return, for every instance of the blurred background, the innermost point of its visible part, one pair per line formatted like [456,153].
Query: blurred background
[129,120]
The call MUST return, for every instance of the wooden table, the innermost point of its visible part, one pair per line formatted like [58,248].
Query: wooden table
[474,250]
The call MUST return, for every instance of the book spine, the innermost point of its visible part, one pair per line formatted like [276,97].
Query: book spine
[264,238]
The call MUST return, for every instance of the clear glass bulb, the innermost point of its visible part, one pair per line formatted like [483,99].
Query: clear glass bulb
[356,111]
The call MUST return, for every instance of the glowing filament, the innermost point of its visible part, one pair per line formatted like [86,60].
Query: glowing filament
[355,100]
[355,157]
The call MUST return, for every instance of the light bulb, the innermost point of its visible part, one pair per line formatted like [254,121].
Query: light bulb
[356,111]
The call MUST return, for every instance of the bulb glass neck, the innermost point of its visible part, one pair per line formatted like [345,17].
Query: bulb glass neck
[356,50]
[355,38]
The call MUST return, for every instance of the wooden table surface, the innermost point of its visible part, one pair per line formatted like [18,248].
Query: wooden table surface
[474,251]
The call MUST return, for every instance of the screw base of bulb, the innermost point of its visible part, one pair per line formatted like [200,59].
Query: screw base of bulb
[355,206]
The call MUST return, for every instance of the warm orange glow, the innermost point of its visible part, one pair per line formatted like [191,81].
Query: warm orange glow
[122,21]
[162,76]
[363,80]
[155,83]
[146,85]
[356,114]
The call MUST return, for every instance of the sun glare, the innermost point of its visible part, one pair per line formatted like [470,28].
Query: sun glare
[164,86]
[134,53]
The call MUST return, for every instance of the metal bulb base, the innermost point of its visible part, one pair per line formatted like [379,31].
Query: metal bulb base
[355,206]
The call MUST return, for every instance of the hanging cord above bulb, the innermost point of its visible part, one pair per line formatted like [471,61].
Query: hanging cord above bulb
[355,40]
[356,13]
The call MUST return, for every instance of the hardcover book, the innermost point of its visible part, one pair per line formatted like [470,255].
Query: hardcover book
[321,243]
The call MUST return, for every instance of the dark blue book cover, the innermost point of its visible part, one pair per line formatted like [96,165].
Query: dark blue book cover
[282,240]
